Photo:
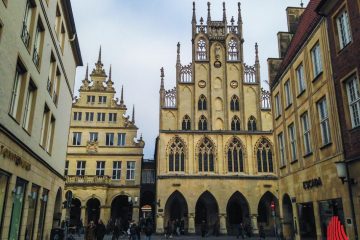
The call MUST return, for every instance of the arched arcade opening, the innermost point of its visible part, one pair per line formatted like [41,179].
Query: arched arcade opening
[237,211]
[176,208]
[93,210]
[266,218]
[288,217]
[121,210]
[207,212]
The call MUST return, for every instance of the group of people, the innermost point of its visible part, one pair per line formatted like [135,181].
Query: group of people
[117,228]
[175,227]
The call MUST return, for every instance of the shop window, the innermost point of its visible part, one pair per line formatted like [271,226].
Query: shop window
[327,210]
[17,208]
[43,205]
[32,204]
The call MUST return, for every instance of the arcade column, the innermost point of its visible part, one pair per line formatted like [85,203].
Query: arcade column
[191,220]
[223,229]
[254,224]
[159,223]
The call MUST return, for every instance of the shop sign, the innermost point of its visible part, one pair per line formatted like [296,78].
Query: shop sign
[7,153]
[316,182]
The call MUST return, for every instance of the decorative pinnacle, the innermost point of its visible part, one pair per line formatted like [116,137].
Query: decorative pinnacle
[122,95]
[256,53]
[162,78]
[201,21]
[224,12]
[178,53]
[209,15]
[99,58]
[110,73]
[194,15]
[239,13]
[232,21]
[87,72]
[133,115]
[301,4]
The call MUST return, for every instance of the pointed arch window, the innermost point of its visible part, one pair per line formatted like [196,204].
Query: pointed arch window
[233,53]
[234,103]
[252,123]
[186,123]
[176,156]
[264,157]
[201,50]
[203,123]
[202,103]
[235,156]
[235,124]
[206,156]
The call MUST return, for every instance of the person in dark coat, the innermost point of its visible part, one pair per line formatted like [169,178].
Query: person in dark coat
[241,231]
[203,228]
[116,230]
[100,230]
[261,232]
[90,233]
[148,231]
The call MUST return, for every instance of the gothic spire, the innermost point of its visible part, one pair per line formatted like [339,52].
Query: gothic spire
[122,95]
[99,58]
[162,78]
[224,13]
[256,53]
[110,73]
[178,53]
[133,115]
[209,15]
[194,14]
[87,72]
[239,14]
[99,66]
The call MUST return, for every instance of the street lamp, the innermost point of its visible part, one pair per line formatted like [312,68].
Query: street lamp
[343,173]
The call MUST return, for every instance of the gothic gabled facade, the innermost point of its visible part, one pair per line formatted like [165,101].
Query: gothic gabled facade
[103,167]
[215,156]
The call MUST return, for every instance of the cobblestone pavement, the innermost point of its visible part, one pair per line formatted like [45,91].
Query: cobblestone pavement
[161,237]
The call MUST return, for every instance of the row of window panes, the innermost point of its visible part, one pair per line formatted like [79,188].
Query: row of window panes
[89,116]
[233,52]
[304,118]
[19,197]
[91,99]
[94,136]
[206,156]
[235,123]
[28,89]
[234,103]
[100,169]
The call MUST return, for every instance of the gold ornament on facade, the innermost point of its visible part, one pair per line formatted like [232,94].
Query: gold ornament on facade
[234,84]
[92,146]
[202,84]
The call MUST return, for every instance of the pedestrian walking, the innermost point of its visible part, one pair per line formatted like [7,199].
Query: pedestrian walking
[261,232]
[203,228]
[241,231]
[90,233]
[100,230]
[116,230]
[148,231]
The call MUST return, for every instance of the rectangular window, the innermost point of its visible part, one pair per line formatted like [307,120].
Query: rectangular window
[130,170]
[300,78]
[91,99]
[112,117]
[353,94]
[89,116]
[77,116]
[32,204]
[93,136]
[306,132]
[76,138]
[109,139]
[281,149]
[101,117]
[288,95]
[116,170]
[38,42]
[17,209]
[100,168]
[277,105]
[148,176]
[27,22]
[43,204]
[45,126]
[316,60]
[80,168]
[292,138]
[56,86]
[102,99]
[343,28]
[324,121]
[17,91]
[29,106]
[121,139]
[4,183]
[50,135]
[66,172]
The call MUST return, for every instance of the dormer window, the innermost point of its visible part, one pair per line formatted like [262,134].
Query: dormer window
[201,50]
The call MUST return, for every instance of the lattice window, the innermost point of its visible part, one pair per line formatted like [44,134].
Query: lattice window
[202,103]
[252,123]
[176,156]
[185,73]
[203,123]
[206,153]
[234,103]
[235,124]
[249,74]
[186,123]
[233,53]
[264,157]
[265,99]
[201,50]
[170,98]
[235,156]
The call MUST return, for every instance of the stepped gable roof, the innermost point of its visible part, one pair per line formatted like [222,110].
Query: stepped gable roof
[307,23]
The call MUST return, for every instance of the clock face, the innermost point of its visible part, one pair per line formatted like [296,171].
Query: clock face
[202,84]
[234,84]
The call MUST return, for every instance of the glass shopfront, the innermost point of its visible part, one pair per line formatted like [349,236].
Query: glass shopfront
[18,195]
[33,199]
[4,180]
[43,205]
[327,210]
[306,220]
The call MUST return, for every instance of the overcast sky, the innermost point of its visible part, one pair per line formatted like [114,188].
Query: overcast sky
[138,37]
